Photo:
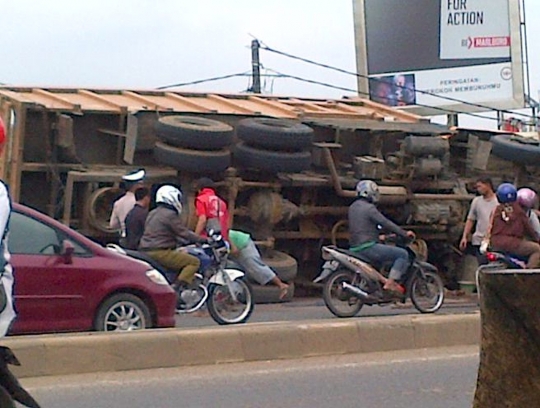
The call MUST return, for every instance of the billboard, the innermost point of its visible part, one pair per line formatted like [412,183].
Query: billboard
[435,55]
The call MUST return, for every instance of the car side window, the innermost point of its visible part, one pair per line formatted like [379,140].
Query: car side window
[30,236]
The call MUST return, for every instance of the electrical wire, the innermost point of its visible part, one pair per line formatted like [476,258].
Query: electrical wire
[201,81]
[344,71]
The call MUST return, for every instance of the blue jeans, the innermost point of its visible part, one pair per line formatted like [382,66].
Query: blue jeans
[381,254]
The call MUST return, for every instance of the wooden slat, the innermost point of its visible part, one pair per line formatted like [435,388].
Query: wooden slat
[100,98]
[229,103]
[182,99]
[56,98]
[145,100]
[290,111]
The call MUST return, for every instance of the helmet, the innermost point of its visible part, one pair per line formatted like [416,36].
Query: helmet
[170,195]
[368,189]
[506,193]
[526,197]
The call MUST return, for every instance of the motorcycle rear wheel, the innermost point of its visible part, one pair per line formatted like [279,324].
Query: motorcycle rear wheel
[427,293]
[221,303]
[340,302]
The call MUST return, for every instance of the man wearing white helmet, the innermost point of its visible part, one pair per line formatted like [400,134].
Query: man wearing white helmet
[125,204]
[365,221]
[164,231]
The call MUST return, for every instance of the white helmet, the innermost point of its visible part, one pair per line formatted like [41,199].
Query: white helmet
[368,189]
[170,195]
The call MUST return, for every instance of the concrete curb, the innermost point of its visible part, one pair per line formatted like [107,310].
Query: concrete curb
[66,354]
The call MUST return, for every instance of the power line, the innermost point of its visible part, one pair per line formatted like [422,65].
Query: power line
[201,81]
[344,71]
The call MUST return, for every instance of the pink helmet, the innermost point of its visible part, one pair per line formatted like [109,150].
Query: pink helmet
[526,197]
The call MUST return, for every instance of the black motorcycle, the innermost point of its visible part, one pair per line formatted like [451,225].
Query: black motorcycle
[351,281]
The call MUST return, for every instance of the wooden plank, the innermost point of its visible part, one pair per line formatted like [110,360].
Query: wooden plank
[143,99]
[229,103]
[182,99]
[289,111]
[17,153]
[56,98]
[101,99]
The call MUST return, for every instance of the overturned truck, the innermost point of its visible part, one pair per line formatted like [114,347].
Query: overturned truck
[288,182]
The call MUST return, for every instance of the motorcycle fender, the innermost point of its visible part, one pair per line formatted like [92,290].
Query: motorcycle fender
[328,268]
[233,274]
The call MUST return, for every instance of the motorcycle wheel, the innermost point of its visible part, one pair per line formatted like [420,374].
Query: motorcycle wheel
[340,302]
[222,307]
[427,292]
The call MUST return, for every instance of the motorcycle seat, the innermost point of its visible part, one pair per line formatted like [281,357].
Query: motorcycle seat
[360,256]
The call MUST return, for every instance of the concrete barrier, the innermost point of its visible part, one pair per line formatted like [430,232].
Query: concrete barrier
[64,354]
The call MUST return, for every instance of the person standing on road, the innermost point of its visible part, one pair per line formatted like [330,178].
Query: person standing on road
[479,214]
[527,199]
[211,210]
[136,218]
[244,251]
[124,204]
[7,308]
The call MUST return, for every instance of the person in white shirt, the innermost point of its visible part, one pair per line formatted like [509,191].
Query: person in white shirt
[7,309]
[479,214]
[125,204]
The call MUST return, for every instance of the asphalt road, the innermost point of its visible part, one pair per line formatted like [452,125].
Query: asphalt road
[419,378]
[314,309]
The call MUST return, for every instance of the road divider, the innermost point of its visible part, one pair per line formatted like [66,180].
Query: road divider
[65,354]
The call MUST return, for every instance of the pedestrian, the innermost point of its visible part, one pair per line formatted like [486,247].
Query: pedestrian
[527,198]
[211,210]
[479,217]
[511,227]
[7,309]
[124,204]
[136,218]
[244,251]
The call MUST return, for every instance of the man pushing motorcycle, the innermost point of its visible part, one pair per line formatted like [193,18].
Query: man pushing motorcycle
[365,223]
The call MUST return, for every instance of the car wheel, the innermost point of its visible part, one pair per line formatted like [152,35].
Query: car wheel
[275,133]
[194,132]
[193,161]
[271,161]
[516,149]
[122,312]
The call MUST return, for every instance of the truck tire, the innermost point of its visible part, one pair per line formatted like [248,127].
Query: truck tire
[271,161]
[193,161]
[284,265]
[276,134]
[194,132]
[509,147]
[270,293]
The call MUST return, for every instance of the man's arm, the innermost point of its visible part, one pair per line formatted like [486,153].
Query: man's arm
[5,208]
[114,223]
[388,225]
[466,231]
[185,233]
[201,223]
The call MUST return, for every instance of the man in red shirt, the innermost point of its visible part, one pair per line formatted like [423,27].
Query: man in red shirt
[210,209]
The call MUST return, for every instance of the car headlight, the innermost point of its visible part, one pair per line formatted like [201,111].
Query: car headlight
[156,277]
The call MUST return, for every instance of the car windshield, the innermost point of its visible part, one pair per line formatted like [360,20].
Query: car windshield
[30,236]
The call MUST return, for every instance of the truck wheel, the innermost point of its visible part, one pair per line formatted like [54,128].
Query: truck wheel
[271,161]
[194,132]
[194,161]
[284,265]
[278,134]
[516,149]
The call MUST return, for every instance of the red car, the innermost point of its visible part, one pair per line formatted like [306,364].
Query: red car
[66,282]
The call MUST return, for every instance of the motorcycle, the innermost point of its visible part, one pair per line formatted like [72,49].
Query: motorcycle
[504,261]
[350,282]
[218,283]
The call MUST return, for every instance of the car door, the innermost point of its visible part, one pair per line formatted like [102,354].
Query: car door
[49,293]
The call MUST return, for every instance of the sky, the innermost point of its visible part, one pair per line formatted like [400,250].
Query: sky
[145,44]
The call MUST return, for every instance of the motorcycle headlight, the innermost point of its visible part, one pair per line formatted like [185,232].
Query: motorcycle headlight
[156,277]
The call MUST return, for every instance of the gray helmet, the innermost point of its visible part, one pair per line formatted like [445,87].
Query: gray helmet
[368,189]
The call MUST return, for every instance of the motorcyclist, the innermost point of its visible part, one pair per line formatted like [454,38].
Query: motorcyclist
[527,199]
[364,223]
[510,226]
[164,232]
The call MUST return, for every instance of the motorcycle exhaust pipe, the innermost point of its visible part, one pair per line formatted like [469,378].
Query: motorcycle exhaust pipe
[356,291]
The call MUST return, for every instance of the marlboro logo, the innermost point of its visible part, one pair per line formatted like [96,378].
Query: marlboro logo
[488,42]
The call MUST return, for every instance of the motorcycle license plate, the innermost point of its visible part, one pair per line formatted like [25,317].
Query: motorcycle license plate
[332,265]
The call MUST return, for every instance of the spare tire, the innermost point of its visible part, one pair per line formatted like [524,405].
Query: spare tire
[516,149]
[194,132]
[193,161]
[271,161]
[278,134]
[284,265]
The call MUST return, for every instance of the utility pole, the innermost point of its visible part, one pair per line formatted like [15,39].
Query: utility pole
[256,67]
